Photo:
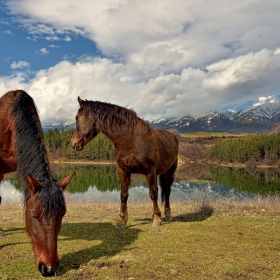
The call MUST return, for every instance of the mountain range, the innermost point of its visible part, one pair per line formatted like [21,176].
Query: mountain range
[259,119]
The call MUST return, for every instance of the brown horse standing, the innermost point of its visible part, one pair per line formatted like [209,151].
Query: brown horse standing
[22,148]
[138,149]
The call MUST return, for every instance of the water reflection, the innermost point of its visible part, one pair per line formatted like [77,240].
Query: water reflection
[9,193]
[101,183]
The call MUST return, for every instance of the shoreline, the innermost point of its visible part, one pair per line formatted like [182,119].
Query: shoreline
[180,163]
[101,162]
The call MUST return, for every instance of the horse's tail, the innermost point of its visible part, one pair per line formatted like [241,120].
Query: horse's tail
[164,187]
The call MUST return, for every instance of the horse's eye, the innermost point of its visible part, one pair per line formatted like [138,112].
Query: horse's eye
[36,213]
[77,117]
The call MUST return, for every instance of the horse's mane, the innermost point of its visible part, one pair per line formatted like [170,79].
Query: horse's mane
[32,155]
[111,117]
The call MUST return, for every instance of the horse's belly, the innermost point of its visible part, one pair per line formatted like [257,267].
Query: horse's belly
[132,165]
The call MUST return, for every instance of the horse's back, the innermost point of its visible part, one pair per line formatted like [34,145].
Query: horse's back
[167,141]
[7,103]
[8,162]
[10,97]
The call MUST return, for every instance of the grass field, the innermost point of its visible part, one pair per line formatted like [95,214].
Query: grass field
[209,134]
[205,240]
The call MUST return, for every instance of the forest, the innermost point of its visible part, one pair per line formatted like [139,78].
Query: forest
[101,149]
[58,143]
[252,149]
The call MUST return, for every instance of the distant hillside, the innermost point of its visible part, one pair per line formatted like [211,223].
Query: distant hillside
[260,119]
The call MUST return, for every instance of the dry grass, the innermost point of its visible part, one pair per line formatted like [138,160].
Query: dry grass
[221,239]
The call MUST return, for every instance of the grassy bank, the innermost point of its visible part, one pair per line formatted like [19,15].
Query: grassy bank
[213,240]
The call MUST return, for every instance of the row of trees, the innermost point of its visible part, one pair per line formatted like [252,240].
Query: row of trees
[257,147]
[252,148]
[58,143]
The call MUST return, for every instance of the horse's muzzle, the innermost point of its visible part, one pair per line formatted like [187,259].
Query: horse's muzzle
[47,271]
[74,145]
[77,147]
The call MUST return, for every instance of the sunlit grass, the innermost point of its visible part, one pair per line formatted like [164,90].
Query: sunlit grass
[221,239]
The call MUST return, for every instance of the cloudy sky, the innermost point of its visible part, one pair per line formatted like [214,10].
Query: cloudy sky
[162,58]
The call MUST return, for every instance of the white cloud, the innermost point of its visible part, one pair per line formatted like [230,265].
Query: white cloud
[19,64]
[266,99]
[277,51]
[44,51]
[52,38]
[12,83]
[203,33]
[164,58]
[8,32]
[67,39]
[192,91]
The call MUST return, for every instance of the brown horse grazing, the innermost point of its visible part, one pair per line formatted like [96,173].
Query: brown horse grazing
[22,148]
[138,149]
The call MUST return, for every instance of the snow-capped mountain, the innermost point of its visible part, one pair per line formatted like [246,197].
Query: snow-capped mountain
[263,118]
[60,127]
[265,112]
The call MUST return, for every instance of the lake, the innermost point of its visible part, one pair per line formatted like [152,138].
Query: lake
[195,182]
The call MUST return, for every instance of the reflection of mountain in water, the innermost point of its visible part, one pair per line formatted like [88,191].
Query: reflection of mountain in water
[206,191]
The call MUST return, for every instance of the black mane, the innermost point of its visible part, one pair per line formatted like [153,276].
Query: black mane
[111,117]
[32,155]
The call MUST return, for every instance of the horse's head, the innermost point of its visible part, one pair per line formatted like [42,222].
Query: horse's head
[45,209]
[85,127]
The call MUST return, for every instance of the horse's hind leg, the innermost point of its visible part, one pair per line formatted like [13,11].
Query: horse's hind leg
[1,230]
[125,183]
[166,180]
[152,181]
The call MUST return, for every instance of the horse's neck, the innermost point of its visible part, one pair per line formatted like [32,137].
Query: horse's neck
[115,138]
[37,163]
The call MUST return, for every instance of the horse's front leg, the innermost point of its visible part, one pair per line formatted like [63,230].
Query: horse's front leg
[153,188]
[125,183]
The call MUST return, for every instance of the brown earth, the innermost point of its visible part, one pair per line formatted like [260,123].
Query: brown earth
[195,149]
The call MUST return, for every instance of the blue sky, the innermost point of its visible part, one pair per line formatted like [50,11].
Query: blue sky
[39,52]
[162,58]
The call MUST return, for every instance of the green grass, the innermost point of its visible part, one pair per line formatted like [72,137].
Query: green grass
[209,240]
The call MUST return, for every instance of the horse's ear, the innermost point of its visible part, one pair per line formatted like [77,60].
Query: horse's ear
[80,101]
[32,184]
[66,181]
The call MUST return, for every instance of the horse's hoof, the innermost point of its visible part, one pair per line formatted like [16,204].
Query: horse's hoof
[168,219]
[156,221]
[167,215]
[2,234]
[120,225]
[156,224]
